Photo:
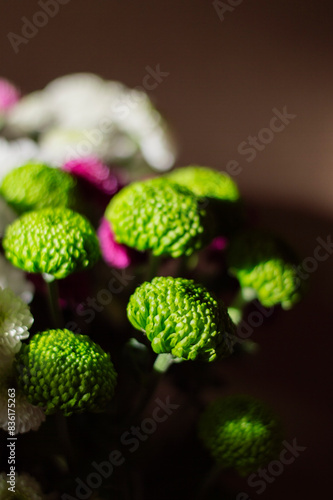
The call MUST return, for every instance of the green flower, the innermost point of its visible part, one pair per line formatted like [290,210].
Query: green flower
[204,181]
[265,264]
[160,216]
[241,432]
[34,186]
[181,318]
[55,241]
[60,370]
[215,189]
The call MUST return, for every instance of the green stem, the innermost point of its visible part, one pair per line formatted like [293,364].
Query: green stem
[53,297]
[240,302]
[236,312]
[66,443]
[153,265]
[181,269]
[61,423]
[161,365]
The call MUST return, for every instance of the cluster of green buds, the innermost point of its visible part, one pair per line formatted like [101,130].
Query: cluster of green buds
[174,215]
[57,370]
[216,191]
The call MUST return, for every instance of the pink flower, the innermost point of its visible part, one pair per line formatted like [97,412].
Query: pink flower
[114,254]
[219,243]
[92,170]
[9,95]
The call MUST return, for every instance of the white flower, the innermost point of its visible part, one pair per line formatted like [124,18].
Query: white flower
[13,278]
[31,114]
[88,115]
[15,321]
[27,416]
[77,101]
[25,487]
[13,154]
[7,215]
[60,145]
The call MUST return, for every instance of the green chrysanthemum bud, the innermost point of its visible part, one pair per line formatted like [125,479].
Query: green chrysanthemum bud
[217,189]
[55,241]
[61,370]
[181,318]
[265,264]
[241,432]
[206,182]
[34,186]
[160,216]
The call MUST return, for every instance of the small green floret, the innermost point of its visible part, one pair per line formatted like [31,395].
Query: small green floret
[265,264]
[55,241]
[207,182]
[181,318]
[35,186]
[63,371]
[241,433]
[216,191]
[160,216]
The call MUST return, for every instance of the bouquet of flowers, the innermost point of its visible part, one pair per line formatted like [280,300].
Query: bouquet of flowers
[122,278]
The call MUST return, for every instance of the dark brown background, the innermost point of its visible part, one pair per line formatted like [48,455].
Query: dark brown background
[225,79]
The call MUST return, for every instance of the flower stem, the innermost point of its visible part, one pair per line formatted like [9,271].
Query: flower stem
[66,443]
[53,297]
[153,265]
[161,365]
[61,422]
[241,300]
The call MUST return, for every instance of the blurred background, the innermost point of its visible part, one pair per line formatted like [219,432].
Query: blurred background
[224,74]
[224,78]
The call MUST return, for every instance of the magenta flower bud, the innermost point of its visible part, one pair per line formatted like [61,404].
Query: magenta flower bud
[9,95]
[93,171]
[115,254]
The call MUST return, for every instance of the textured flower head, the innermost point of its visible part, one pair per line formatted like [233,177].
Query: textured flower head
[206,182]
[35,185]
[15,321]
[94,171]
[265,264]
[9,95]
[62,371]
[160,216]
[241,432]
[27,416]
[26,488]
[55,241]
[181,318]
[217,191]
